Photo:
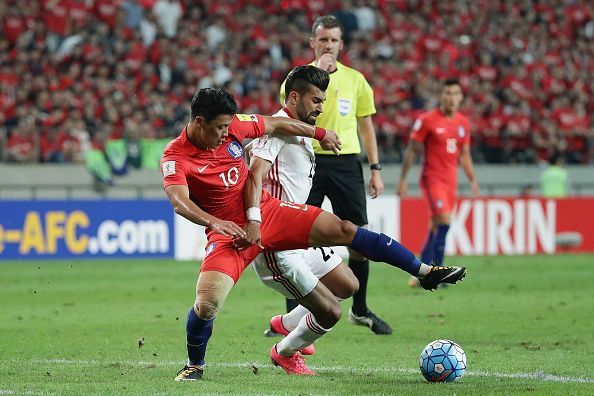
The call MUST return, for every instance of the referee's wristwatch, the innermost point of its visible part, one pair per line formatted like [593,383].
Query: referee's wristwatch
[377,166]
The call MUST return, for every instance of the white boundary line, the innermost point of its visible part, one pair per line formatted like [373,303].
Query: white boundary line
[485,374]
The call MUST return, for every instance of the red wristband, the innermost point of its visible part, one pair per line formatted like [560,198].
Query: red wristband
[320,133]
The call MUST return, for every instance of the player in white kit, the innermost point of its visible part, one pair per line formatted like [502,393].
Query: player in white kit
[315,277]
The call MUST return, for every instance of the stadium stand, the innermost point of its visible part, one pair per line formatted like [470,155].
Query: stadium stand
[75,74]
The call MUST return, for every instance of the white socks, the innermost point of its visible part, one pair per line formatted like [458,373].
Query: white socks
[291,320]
[307,331]
[423,270]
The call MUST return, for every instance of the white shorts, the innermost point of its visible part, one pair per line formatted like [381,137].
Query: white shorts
[295,273]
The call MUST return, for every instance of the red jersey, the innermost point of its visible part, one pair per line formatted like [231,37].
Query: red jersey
[56,17]
[443,137]
[106,10]
[13,26]
[215,177]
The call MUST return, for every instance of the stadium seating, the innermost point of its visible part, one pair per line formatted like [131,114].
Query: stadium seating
[76,73]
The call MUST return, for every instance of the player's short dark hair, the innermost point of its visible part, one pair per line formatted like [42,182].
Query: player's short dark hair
[301,78]
[450,81]
[327,22]
[211,103]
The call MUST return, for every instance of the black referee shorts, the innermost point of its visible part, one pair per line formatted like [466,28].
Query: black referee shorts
[340,178]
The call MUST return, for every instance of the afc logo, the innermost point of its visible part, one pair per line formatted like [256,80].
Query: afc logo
[235,149]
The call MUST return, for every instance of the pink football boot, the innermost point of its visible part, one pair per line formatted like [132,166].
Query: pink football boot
[291,364]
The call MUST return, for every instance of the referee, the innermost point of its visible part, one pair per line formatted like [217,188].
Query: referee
[348,108]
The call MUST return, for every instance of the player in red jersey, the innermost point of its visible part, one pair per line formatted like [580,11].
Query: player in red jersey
[444,134]
[204,177]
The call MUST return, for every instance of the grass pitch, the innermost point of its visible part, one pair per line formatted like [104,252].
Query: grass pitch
[118,327]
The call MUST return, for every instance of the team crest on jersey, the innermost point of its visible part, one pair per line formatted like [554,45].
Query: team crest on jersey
[210,248]
[235,149]
[461,131]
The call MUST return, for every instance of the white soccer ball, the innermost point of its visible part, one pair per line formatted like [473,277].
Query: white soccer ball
[443,361]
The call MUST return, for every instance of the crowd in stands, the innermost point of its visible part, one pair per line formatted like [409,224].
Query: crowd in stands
[75,73]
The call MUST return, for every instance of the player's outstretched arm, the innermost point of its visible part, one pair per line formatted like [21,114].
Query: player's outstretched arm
[179,196]
[466,162]
[412,150]
[291,127]
[252,196]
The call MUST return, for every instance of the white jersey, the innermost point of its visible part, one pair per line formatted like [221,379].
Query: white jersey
[293,164]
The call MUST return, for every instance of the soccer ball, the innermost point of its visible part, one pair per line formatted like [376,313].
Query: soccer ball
[443,361]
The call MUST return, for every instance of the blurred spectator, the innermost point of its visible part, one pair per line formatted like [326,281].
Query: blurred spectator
[518,131]
[21,145]
[348,19]
[13,24]
[525,67]
[215,34]
[168,13]
[134,13]
[148,30]
[553,181]
[365,15]
[52,146]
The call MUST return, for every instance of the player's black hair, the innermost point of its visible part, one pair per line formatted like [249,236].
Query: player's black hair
[450,81]
[327,22]
[211,103]
[302,77]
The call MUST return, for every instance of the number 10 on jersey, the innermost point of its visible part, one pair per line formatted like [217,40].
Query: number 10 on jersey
[230,178]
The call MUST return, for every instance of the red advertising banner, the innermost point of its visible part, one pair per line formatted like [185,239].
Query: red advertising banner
[505,226]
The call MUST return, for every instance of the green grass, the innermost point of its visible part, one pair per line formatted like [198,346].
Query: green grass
[71,327]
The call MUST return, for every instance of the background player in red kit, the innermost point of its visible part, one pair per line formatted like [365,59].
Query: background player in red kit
[204,177]
[444,133]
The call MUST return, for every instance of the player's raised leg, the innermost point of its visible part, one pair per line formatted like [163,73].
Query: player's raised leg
[329,230]
[211,291]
